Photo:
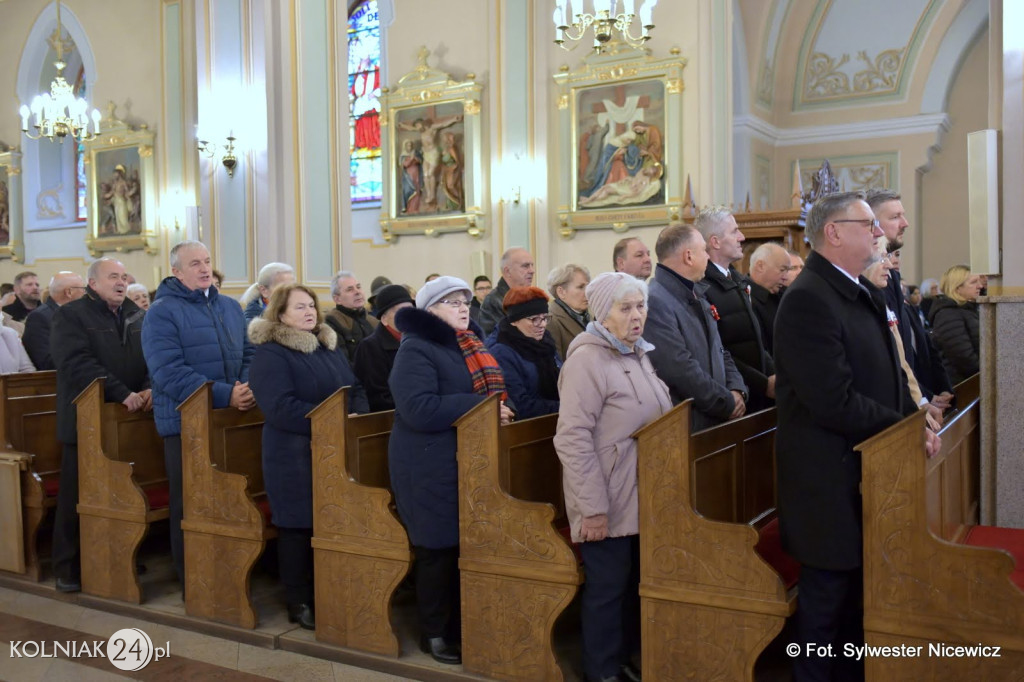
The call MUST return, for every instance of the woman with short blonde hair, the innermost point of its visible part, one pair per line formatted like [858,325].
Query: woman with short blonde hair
[568,308]
[955,322]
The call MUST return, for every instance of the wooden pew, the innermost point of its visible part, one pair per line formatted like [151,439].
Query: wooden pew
[710,602]
[924,584]
[122,488]
[518,573]
[360,549]
[28,424]
[226,517]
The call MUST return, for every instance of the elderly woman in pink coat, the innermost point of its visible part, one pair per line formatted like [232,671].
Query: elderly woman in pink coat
[608,389]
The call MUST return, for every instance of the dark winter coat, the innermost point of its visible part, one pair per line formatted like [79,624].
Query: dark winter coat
[87,342]
[292,372]
[766,307]
[374,359]
[351,326]
[928,368]
[741,333]
[956,330]
[254,309]
[688,353]
[36,338]
[521,381]
[492,309]
[189,339]
[432,388]
[839,382]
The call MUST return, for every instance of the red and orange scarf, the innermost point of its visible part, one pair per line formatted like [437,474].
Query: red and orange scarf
[483,368]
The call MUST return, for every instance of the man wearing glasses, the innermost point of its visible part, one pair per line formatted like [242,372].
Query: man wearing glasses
[839,383]
[64,288]
[481,287]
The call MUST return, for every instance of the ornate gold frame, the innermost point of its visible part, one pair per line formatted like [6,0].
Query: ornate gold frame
[10,163]
[425,86]
[619,65]
[118,135]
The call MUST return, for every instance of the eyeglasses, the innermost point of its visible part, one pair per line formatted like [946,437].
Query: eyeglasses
[454,302]
[484,287]
[867,223]
[539,320]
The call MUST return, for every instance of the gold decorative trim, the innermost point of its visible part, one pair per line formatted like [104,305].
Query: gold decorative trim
[674,86]
[472,107]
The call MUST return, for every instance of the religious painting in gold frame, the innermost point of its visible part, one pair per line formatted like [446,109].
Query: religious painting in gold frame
[620,121]
[122,189]
[431,144]
[10,203]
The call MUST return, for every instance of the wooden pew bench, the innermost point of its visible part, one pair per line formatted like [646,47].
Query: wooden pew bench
[226,515]
[518,573]
[930,576]
[28,424]
[360,549]
[122,489]
[710,599]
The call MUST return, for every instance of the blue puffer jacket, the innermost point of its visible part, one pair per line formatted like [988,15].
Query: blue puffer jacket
[189,339]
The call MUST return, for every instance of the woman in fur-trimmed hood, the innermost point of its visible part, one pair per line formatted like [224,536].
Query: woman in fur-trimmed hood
[297,366]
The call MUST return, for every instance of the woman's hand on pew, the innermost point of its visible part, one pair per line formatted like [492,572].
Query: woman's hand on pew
[932,442]
[134,402]
[242,397]
[506,414]
[594,528]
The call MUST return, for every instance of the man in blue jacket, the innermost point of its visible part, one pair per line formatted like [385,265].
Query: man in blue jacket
[192,334]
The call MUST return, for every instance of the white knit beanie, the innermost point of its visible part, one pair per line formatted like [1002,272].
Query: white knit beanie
[601,293]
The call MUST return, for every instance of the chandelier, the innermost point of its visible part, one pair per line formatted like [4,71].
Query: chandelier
[58,113]
[571,22]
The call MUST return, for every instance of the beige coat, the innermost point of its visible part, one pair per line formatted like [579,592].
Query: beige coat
[562,327]
[605,396]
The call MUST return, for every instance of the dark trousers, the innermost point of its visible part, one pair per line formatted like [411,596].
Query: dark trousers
[295,563]
[172,462]
[830,611]
[610,604]
[67,554]
[438,593]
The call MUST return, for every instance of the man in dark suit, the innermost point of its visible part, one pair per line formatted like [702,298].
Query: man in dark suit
[729,293]
[839,382]
[64,288]
[768,275]
[26,292]
[888,209]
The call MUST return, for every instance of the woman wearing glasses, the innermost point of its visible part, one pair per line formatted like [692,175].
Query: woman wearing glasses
[527,354]
[441,371]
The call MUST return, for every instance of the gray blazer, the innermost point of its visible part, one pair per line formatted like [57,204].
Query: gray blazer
[688,355]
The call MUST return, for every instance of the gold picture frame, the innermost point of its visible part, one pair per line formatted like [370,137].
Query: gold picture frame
[620,118]
[122,188]
[431,138]
[10,205]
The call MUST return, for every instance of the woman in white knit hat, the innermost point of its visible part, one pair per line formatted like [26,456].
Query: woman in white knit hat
[608,389]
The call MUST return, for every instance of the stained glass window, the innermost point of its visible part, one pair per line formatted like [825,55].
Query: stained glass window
[81,195]
[364,102]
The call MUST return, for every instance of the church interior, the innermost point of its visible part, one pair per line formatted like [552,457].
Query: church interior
[401,139]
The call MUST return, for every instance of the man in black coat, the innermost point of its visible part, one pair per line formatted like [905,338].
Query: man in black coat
[99,335]
[768,275]
[517,270]
[64,288]
[728,293]
[931,377]
[839,383]
[375,355]
[349,318]
[26,292]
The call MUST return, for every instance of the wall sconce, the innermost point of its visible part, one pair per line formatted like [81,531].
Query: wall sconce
[210,150]
[519,178]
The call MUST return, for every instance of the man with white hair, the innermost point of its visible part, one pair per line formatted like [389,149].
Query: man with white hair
[688,354]
[97,335]
[728,293]
[516,271]
[272,275]
[349,318]
[768,274]
[839,383]
[191,335]
[64,287]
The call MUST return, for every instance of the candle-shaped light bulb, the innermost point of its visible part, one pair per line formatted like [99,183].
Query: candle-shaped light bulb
[646,10]
[575,9]
[628,7]
[96,121]
[24,111]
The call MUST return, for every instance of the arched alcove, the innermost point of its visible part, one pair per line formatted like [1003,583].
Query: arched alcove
[48,168]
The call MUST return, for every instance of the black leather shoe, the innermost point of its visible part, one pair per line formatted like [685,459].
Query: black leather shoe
[630,672]
[441,651]
[303,615]
[69,586]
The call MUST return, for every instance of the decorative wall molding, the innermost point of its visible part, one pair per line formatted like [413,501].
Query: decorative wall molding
[936,124]
[856,172]
[825,79]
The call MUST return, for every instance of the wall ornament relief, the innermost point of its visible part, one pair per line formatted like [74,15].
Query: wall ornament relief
[826,80]
[48,203]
